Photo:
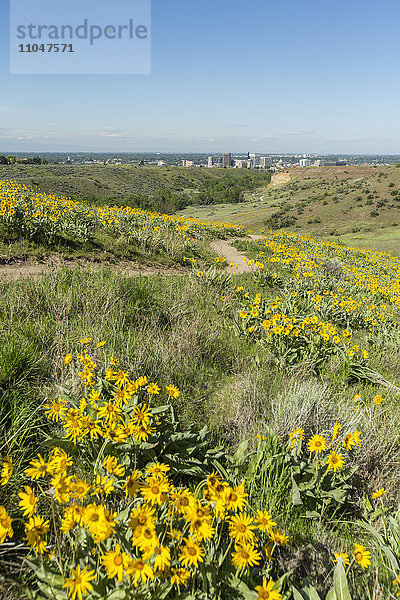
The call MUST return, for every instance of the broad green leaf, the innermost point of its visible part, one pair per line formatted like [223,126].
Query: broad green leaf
[372,531]
[331,595]
[240,585]
[392,559]
[241,451]
[312,514]
[296,594]
[337,494]
[340,583]
[121,594]
[156,410]
[280,582]
[42,572]
[296,496]
[309,591]
[50,592]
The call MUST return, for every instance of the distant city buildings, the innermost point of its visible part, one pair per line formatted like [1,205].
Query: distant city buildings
[253,161]
[226,159]
[249,160]
[272,162]
[265,162]
[244,164]
[305,162]
[255,158]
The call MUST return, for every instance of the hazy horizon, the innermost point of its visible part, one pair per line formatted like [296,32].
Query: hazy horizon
[194,153]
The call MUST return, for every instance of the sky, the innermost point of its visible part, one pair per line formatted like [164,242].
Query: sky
[226,76]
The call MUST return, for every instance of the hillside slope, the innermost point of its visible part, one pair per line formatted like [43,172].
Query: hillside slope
[103,183]
[356,205]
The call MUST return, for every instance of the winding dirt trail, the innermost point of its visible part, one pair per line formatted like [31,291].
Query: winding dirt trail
[20,269]
[232,255]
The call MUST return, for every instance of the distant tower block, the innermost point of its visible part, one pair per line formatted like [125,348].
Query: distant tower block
[210,162]
[255,158]
[226,159]
[265,162]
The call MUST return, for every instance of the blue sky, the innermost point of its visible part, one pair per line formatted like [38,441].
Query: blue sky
[226,76]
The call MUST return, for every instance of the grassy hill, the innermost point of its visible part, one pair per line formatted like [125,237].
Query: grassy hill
[359,205]
[108,183]
[353,203]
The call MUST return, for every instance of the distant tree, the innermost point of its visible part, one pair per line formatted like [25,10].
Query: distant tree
[280,220]
[3,160]
[12,160]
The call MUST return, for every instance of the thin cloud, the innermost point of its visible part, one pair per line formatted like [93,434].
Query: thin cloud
[15,111]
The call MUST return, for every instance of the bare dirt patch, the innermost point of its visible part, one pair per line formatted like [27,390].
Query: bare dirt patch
[21,269]
[232,255]
[280,178]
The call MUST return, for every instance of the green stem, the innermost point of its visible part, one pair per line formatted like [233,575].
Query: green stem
[383,519]
[57,538]
[349,567]
[99,455]
[225,555]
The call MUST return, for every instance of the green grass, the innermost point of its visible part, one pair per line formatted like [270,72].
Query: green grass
[116,183]
[250,213]
[325,203]
[102,249]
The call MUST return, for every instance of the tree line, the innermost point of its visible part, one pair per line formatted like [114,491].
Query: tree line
[12,160]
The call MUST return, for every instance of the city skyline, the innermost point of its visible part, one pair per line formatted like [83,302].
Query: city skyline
[299,78]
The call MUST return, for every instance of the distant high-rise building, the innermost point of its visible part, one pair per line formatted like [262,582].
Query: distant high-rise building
[210,162]
[241,164]
[187,163]
[265,162]
[305,162]
[255,158]
[226,159]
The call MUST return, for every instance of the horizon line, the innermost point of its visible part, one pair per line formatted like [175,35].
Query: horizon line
[172,152]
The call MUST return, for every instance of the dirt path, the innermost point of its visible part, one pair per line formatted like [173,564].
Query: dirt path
[17,270]
[232,255]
